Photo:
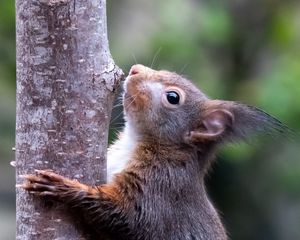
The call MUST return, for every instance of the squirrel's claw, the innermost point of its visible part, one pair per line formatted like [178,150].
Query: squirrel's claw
[42,183]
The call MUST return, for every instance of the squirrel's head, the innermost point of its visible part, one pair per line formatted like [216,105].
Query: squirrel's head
[165,107]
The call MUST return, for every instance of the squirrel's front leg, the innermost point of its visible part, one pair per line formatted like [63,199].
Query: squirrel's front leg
[101,206]
[49,184]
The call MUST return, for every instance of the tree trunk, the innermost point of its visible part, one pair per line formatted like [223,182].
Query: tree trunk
[66,81]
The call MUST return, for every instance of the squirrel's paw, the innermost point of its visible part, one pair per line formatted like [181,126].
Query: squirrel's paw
[44,183]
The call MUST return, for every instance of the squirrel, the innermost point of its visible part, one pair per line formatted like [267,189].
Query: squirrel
[156,168]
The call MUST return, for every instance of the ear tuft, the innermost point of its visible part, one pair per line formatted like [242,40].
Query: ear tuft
[231,121]
[251,121]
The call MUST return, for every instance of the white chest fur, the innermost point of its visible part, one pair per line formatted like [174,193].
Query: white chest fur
[120,152]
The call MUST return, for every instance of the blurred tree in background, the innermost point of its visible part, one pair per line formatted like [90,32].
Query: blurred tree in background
[236,50]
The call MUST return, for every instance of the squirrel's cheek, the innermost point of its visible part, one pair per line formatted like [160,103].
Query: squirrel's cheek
[133,103]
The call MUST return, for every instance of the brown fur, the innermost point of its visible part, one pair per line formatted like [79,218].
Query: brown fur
[160,194]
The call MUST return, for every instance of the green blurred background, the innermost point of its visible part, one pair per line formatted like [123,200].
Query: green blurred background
[246,50]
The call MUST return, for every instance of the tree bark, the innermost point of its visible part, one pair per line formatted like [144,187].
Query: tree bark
[66,81]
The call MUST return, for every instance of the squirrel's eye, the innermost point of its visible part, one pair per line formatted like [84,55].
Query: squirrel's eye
[173,97]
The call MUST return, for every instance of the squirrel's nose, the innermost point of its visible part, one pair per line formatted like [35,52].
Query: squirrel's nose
[135,69]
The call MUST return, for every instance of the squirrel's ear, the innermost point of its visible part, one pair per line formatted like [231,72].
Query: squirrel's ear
[213,125]
[225,120]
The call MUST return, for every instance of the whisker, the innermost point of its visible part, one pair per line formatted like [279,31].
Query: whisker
[114,129]
[134,58]
[183,68]
[118,101]
[115,118]
[118,124]
[155,56]
[117,105]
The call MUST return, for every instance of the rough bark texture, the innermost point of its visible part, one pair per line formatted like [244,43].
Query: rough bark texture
[65,85]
